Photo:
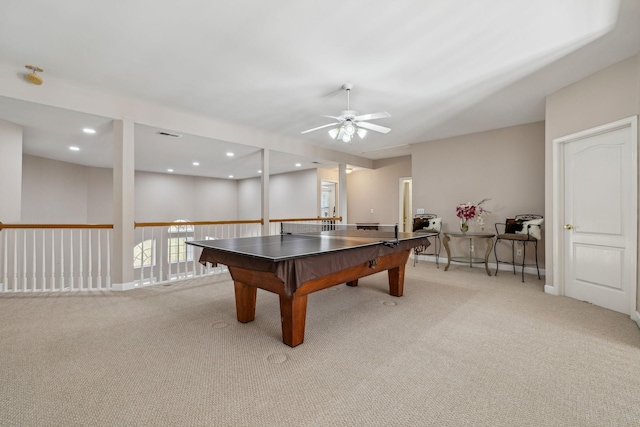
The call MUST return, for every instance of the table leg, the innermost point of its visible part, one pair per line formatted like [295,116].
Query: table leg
[396,281]
[245,301]
[353,283]
[486,255]
[293,314]
[445,242]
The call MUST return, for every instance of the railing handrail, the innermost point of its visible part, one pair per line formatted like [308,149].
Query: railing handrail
[182,223]
[169,223]
[339,218]
[55,225]
[136,224]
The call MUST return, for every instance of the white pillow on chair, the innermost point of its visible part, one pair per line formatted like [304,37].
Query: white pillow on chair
[533,231]
[434,224]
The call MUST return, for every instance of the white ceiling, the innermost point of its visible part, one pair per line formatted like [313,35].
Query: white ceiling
[441,68]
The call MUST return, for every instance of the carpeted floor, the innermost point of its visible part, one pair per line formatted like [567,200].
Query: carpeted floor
[458,349]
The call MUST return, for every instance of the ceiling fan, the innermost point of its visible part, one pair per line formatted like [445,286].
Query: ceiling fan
[349,123]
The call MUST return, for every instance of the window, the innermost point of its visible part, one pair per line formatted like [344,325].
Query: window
[177,249]
[144,254]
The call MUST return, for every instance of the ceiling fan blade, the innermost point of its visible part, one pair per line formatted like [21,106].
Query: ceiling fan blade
[371,126]
[320,127]
[334,117]
[373,116]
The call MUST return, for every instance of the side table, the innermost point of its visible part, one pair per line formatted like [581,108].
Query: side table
[470,235]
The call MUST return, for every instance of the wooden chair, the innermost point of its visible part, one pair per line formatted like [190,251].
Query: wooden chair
[428,223]
[525,229]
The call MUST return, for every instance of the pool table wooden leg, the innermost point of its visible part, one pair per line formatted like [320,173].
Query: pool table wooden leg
[396,281]
[245,301]
[293,314]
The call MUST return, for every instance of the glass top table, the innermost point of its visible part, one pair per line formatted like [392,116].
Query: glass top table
[470,259]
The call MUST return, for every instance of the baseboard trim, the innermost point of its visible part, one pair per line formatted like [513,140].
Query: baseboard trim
[124,286]
[492,266]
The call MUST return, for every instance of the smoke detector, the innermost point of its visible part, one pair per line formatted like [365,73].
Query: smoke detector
[33,77]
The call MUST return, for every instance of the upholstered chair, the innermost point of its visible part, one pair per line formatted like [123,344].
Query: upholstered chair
[432,224]
[523,229]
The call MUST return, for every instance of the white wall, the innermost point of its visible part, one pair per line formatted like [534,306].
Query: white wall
[294,195]
[100,196]
[10,172]
[249,197]
[53,191]
[165,197]
[59,192]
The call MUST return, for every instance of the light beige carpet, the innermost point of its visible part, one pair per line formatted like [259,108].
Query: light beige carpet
[458,349]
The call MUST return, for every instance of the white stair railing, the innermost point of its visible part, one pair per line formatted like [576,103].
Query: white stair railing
[55,257]
[163,256]
[77,257]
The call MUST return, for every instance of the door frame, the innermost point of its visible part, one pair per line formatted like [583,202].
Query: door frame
[559,236]
[402,201]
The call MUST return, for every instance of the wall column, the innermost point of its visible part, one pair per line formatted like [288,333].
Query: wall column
[264,205]
[342,192]
[123,205]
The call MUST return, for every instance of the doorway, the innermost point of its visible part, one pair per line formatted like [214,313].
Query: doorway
[595,215]
[328,199]
[405,220]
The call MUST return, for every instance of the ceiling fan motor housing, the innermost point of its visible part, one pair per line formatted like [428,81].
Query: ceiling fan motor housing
[348,114]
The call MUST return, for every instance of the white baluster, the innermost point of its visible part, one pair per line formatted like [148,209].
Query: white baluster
[109,236]
[90,263]
[33,261]
[15,261]
[25,285]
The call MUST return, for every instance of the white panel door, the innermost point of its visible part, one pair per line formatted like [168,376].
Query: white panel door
[600,216]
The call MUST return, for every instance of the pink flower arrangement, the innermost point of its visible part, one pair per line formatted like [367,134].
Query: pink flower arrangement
[467,211]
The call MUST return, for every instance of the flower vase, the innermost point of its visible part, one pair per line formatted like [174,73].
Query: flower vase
[464,225]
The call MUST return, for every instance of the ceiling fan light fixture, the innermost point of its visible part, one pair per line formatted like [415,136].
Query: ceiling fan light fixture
[333,133]
[349,128]
[362,133]
[346,138]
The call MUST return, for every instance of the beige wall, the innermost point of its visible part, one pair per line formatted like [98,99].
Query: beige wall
[377,189]
[505,165]
[609,95]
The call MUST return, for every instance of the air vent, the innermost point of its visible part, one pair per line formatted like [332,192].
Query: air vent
[173,135]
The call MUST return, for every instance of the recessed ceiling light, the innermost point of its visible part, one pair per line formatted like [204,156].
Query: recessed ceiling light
[230,154]
[230,176]
[169,170]
[74,148]
[298,165]
[89,130]
[196,163]
[259,171]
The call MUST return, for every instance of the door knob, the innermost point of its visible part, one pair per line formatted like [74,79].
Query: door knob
[568,226]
